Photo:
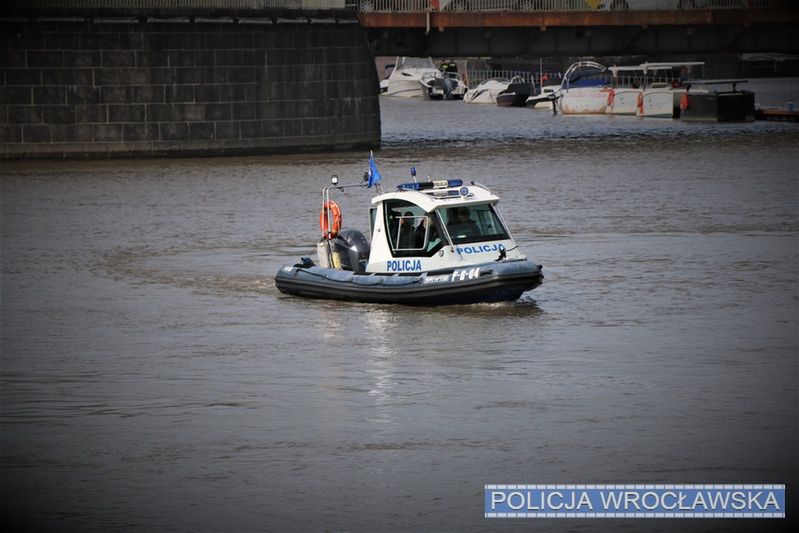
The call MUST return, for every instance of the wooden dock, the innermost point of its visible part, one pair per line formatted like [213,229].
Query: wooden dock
[779,115]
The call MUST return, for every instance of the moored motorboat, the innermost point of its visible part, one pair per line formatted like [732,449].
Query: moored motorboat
[408,72]
[434,86]
[664,86]
[545,98]
[486,92]
[456,86]
[515,94]
[388,69]
[584,89]
[712,101]
[625,88]
[433,243]
[442,86]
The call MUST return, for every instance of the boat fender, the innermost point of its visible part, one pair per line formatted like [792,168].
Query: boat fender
[685,102]
[336,260]
[611,97]
[640,103]
[323,253]
[330,219]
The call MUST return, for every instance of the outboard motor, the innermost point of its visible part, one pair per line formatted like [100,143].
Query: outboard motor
[352,249]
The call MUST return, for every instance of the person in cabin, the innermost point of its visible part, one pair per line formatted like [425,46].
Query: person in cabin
[462,224]
[421,230]
[406,231]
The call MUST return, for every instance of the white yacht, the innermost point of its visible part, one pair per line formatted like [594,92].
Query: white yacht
[545,98]
[442,86]
[626,87]
[408,72]
[486,92]
[584,90]
[664,86]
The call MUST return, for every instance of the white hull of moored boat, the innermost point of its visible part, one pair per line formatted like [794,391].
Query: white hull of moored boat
[622,102]
[486,92]
[408,72]
[481,97]
[659,103]
[408,88]
[545,99]
[583,101]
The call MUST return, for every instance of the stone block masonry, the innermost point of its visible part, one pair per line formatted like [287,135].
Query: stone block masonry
[139,87]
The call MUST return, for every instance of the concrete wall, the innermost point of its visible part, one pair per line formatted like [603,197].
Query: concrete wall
[100,87]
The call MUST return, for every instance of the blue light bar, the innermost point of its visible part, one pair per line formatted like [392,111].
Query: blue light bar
[440,184]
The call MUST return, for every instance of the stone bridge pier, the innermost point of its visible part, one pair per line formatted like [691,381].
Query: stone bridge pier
[94,83]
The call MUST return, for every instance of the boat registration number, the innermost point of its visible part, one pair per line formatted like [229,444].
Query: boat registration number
[457,275]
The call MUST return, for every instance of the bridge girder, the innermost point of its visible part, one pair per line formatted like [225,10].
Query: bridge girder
[649,33]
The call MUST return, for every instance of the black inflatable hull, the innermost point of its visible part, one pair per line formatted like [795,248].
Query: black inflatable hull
[499,281]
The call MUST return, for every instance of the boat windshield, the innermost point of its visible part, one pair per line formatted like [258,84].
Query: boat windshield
[410,230]
[473,223]
[416,62]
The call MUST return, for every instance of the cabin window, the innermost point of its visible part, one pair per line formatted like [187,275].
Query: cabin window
[410,230]
[473,223]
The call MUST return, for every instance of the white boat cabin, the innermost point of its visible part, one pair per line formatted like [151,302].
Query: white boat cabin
[437,225]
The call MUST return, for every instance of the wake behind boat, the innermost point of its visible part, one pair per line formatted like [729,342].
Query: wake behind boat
[433,243]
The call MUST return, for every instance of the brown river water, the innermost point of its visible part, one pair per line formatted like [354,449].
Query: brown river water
[153,378]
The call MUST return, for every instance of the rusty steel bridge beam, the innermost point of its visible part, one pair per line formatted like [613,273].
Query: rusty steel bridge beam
[693,17]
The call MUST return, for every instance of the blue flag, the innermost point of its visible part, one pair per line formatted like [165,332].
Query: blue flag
[374,174]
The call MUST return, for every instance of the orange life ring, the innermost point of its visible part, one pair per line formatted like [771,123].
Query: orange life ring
[330,212]
[641,102]
[685,103]
[611,97]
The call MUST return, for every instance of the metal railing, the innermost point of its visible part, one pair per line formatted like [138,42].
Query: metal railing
[415,6]
[393,6]
[475,77]
[411,6]
[180,4]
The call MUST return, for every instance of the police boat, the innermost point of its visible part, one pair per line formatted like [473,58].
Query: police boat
[432,243]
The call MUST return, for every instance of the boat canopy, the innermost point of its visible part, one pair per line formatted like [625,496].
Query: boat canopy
[434,194]
[631,68]
[422,217]
[584,74]
[667,66]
